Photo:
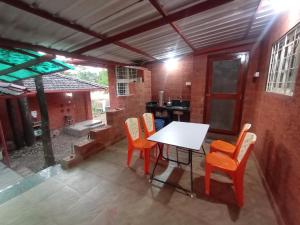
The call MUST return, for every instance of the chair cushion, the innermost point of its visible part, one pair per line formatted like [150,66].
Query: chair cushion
[222,146]
[222,161]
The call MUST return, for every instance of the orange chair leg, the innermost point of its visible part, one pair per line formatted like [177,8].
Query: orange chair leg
[239,189]
[208,170]
[147,161]
[129,155]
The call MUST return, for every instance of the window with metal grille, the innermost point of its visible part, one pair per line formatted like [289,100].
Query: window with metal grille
[124,76]
[284,63]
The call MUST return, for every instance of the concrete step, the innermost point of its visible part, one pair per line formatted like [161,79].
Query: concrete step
[83,128]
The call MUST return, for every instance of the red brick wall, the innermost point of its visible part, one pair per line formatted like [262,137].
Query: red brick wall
[193,68]
[276,122]
[79,106]
[172,81]
[134,104]
[60,105]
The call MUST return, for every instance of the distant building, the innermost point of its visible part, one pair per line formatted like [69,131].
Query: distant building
[68,101]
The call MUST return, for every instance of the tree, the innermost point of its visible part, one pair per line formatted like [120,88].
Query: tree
[103,77]
[95,75]
[46,137]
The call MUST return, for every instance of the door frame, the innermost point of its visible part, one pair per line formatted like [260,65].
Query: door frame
[241,84]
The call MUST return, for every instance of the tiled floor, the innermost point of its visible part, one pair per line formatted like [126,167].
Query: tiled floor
[102,190]
[7,177]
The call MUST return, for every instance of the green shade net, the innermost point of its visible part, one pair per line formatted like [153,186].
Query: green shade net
[12,57]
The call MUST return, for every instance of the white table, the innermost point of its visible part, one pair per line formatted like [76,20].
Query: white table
[186,136]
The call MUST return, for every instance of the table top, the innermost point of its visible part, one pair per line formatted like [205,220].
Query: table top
[182,134]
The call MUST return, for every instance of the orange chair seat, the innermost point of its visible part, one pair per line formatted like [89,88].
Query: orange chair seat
[223,146]
[221,161]
[143,144]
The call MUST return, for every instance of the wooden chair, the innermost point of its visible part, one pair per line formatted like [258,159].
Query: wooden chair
[228,148]
[137,142]
[235,168]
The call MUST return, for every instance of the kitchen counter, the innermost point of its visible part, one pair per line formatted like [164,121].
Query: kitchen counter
[179,108]
[167,112]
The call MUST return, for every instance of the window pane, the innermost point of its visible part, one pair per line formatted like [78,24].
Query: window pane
[225,76]
[222,114]
[284,63]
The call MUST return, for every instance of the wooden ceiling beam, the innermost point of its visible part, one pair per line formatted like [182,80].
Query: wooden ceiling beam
[181,14]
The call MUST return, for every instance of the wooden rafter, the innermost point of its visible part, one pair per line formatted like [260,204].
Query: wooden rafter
[48,16]
[181,14]
[158,7]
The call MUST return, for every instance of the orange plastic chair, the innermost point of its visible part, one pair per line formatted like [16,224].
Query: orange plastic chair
[235,168]
[149,124]
[149,127]
[137,142]
[228,148]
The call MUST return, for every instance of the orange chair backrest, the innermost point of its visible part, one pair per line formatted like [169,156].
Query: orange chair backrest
[245,148]
[133,129]
[245,129]
[149,124]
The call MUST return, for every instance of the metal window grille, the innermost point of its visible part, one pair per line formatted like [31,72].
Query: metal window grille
[124,76]
[284,63]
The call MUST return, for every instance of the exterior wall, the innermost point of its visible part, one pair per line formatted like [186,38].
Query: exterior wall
[59,105]
[276,122]
[79,107]
[135,104]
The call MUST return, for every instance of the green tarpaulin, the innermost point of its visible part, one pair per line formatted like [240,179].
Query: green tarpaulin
[10,58]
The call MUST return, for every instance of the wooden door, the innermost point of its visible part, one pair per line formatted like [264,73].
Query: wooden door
[225,91]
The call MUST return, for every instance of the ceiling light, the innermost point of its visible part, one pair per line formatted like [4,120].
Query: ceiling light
[171,64]
[285,5]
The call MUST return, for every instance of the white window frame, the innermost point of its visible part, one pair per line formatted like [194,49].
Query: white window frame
[284,63]
[124,76]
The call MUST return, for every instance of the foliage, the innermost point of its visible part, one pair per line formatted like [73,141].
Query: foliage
[84,73]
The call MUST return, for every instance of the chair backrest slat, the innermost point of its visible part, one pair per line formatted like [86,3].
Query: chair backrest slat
[248,140]
[245,129]
[149,122]
[133,128]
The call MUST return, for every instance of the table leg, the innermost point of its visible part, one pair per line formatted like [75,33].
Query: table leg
[160,148]
[203,150]
[191,171]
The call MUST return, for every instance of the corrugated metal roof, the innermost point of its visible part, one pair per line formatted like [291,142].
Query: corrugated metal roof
[12,89]
[160,42]
[224,23]
[262,20]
